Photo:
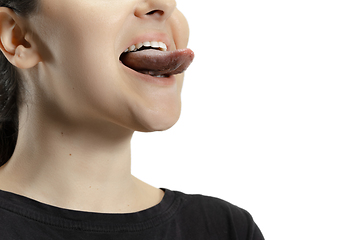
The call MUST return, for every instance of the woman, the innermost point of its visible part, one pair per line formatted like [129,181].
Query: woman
[78,78]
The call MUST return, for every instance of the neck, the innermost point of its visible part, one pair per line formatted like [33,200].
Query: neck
[75,166]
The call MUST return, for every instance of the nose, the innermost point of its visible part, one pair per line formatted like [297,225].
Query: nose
[156,9]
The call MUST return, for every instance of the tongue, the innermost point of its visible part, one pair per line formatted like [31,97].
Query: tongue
[156,62]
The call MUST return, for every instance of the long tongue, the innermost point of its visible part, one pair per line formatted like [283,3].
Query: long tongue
[156,62]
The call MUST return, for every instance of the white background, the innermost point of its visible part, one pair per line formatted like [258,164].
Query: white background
[271,116]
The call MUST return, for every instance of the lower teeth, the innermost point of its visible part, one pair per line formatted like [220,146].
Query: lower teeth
[153,74]
[160,76]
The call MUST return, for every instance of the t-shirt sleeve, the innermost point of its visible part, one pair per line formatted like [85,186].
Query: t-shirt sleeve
[225,220]
[243,224]
[254,232]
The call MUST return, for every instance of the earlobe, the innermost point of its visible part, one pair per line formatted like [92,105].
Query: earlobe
[25,58]
[13,42]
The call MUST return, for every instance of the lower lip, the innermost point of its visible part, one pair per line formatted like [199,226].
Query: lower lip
[163,81]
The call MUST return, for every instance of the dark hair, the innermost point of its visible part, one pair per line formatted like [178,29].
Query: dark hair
[9,88]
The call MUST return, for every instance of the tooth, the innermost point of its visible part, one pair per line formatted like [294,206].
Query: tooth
[132,48]
[155,44]
[146,44]
[138,45]
[162,46]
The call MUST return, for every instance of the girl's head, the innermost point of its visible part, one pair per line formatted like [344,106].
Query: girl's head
[65,55]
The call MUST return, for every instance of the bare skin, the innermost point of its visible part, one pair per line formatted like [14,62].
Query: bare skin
[81,105]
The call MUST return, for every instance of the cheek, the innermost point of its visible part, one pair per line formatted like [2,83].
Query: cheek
[86,28]
[82,76]
[82,50]
[180,29]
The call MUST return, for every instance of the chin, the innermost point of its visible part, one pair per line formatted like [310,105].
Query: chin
[159,121]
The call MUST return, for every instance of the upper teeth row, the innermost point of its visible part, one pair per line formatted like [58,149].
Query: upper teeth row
[153,44]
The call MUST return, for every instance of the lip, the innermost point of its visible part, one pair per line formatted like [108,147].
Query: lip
[161,81]
[152,36]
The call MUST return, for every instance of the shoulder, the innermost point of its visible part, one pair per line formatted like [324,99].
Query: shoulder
[214,206]
[219,216]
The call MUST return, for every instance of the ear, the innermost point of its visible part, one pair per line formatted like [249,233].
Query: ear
[14,41]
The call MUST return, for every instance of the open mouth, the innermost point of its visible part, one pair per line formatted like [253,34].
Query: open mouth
[152,58]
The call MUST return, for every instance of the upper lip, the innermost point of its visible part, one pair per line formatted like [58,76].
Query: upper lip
[151,37]
[153,44]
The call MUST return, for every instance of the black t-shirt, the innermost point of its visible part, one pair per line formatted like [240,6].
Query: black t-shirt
[177,216]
